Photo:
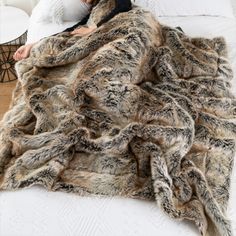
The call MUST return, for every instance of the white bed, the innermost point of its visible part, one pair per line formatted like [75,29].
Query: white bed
[36,212]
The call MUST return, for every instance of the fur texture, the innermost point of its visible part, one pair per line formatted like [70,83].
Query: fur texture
[136,109]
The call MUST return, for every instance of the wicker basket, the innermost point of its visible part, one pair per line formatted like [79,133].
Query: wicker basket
[7,63]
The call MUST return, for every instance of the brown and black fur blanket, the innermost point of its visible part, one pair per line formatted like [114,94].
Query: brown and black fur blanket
[135,109]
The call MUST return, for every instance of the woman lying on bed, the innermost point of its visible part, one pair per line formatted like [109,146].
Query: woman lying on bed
[120,6]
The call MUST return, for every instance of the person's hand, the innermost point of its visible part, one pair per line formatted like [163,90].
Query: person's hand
[82,31]
[22,52]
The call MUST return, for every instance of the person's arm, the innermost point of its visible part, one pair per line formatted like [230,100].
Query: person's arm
[120,6]
[96,18]
[82,22]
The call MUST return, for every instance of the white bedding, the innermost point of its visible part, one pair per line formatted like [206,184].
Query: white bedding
[46,29]
[36,212]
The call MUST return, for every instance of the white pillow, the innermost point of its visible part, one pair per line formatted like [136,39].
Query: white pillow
[75,10]
[234,6]
[48,11]
[188,7]
[57,11]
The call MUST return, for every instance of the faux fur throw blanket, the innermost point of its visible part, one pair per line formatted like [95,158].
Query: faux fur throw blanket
[136,109]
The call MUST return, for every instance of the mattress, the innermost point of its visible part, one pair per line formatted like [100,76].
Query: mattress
[37,212]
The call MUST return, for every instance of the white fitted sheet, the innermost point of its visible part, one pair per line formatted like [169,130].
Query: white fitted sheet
[37,212]
[39,30]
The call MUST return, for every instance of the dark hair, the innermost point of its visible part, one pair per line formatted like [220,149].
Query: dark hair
[95,2]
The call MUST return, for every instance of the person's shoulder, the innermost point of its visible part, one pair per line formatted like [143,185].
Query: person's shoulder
[127,4]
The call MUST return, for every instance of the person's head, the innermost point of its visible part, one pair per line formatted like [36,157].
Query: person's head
[90,1]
